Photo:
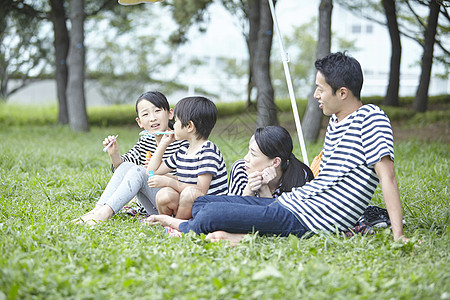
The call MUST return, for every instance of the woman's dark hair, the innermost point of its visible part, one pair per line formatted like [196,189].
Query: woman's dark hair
[341,70]
[157,99]
[200,110]
[275,141]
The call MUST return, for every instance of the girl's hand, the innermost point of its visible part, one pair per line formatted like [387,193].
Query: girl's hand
[114,148]
[268,174]
[156,181]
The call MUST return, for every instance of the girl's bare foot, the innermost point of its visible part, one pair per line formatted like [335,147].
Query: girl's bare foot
[233,238]
[164,220]
[95,216]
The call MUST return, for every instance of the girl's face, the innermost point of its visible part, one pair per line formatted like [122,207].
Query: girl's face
[255,160]
[153,118]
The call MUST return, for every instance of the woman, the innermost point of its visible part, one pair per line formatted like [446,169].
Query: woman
[271,169]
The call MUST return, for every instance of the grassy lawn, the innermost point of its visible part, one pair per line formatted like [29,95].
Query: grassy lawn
[50,175]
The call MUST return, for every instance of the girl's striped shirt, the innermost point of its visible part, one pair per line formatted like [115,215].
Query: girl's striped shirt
[137,154]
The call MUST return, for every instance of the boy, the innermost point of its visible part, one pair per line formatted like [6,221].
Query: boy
[200,166]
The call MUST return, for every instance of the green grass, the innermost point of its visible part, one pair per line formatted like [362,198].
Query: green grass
[50,175]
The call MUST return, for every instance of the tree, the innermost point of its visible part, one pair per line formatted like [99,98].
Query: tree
[76,102]
[416,27]
[313,115]
[421,99]
[391,97]
[58,18]
[259,42]
[23,55]
[260,18]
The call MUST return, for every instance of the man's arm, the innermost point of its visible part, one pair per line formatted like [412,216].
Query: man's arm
[386,173]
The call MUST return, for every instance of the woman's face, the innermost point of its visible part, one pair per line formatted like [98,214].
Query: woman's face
[255,160]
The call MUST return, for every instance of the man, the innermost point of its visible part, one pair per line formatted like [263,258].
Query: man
[358,152]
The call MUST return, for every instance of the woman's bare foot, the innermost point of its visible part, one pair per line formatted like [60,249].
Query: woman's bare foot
[95,216]
[233,238]
[164,220]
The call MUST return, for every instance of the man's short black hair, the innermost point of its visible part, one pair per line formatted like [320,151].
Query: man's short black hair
[341,70]
[200,110]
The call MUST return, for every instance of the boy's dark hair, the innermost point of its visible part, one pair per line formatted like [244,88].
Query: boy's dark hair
[200,110]
[275,141]
[157,99]
[341,70]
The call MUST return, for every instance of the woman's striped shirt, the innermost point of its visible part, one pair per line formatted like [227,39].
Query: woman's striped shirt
[207,160]
[338,196]
[238,180]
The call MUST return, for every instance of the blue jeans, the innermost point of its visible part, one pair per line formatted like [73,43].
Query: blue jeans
[242,214]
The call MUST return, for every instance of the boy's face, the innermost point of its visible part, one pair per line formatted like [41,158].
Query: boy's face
[153,118]
[180,131]
[328,101]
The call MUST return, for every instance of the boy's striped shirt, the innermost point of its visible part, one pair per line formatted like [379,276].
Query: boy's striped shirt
[207,160]
[338,196]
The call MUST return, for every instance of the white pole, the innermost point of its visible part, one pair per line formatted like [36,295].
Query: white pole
[289,84]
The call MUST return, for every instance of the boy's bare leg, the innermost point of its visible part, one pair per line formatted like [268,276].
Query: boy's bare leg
[164,220]
[233,238]
[187,198]
[167,201]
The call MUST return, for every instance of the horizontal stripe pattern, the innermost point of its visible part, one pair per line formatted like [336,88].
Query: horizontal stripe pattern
[208,160]
[338,196]
[146,143]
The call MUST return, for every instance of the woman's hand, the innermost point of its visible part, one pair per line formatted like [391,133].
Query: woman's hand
[254,181]
[268,174]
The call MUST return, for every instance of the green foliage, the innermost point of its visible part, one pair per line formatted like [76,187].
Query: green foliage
[117,115]
[50,175]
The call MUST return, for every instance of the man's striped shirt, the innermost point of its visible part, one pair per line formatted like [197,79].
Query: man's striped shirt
[338,196]
[207,160]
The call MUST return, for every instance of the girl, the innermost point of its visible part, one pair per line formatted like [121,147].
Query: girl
[130,177]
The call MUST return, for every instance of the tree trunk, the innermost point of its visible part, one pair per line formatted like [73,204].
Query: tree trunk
[391,97]
[252,42]
[61,44]
[266,110]
[76,59]
[421,100]
[76,63]
[313,115]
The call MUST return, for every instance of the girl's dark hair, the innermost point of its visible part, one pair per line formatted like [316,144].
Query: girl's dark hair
[275,141]
[157,99]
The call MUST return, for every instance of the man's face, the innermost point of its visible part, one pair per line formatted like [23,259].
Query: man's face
[328,101]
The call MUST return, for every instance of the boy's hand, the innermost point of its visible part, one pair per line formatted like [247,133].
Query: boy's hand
[156,181]
[167,139]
